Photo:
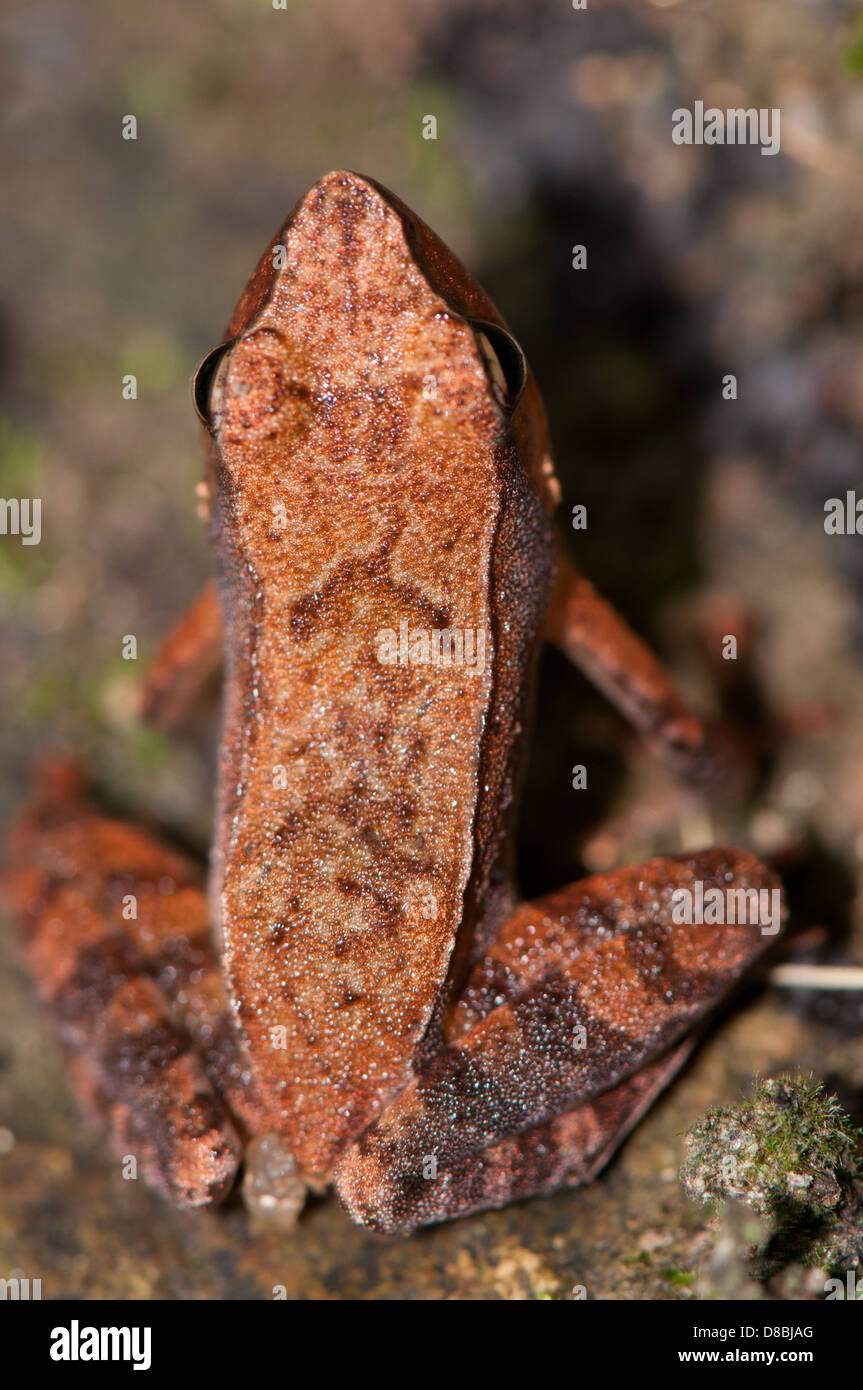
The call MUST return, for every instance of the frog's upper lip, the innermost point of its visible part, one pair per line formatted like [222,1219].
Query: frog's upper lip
[346,199]
[360,189]
[340,197]
[347,178]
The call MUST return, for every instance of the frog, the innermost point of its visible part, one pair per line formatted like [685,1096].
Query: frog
[354,996]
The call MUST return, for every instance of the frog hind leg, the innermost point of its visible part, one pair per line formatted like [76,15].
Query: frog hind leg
[573,1022]
[115,932]
[565,1152]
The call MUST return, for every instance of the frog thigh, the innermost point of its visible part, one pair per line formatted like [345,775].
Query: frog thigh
[544,1158]
[137,1001]
[579,993]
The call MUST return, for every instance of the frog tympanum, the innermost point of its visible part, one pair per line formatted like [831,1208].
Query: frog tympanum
[360,999]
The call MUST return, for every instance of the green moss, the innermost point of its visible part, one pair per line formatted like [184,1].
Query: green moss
[680,1278]
[792,1154]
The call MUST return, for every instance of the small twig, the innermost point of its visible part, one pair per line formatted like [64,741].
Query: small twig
[817,976]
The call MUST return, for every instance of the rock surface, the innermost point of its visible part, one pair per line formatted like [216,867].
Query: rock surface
[553,129]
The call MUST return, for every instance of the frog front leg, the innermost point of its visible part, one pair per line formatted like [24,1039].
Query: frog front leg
[187,662]
[590,631]
[580,622]
[579,1014]
[116,934]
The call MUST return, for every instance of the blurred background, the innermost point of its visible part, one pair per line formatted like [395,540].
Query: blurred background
[706,516]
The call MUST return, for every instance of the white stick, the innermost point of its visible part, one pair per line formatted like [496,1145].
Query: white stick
[817,976]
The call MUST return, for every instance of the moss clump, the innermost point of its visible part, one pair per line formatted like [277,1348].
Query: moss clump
[792,1154]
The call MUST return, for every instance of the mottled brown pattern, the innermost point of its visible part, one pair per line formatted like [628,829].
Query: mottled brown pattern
[619,924]
[393,1019]
[563,1152]
[130,996]
[519,1057]
[588,630]
[356,399]
[190,656]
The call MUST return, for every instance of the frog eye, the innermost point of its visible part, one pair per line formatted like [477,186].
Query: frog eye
[202,385]
[504,361]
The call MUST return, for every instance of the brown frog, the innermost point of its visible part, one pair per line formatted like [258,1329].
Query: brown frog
[374,1007]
